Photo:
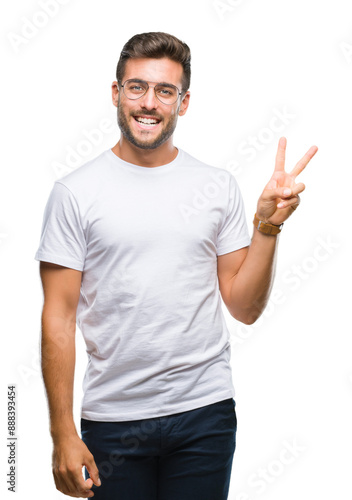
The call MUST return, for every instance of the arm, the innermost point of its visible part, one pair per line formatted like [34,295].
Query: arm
[246,276]
[61,287]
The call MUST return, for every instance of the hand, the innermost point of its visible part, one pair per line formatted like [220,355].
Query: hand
[69,456]
[280,197]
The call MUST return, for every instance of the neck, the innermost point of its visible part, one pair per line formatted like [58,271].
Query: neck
[162,155]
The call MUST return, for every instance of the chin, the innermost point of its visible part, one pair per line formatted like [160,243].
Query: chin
[158,141]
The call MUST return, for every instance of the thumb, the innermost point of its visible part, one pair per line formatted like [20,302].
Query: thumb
[93,472]
[88,483]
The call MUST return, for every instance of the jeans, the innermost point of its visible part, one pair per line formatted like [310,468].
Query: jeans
[184,456]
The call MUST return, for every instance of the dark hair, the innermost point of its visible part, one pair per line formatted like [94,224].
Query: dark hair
[156,45]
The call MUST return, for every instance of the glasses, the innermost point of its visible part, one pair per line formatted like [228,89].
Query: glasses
[166,93]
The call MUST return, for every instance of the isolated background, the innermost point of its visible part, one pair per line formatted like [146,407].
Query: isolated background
[292,369]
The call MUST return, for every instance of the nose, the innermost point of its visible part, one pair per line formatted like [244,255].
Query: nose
[149,100]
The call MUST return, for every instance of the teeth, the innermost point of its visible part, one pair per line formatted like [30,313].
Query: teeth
[147,121]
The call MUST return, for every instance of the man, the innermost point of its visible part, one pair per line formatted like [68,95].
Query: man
[138,246]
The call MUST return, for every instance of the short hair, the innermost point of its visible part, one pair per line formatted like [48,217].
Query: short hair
[156,45]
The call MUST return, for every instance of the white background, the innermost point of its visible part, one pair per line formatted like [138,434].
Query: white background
[292,369]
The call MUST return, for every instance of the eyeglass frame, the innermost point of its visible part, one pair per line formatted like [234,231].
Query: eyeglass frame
[139,80]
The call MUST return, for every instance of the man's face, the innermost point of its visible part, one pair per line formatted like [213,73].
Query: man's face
[142,135]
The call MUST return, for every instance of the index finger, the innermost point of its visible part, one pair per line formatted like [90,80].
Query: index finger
[303,162]
[280,155]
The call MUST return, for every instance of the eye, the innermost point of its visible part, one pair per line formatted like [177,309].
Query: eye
[134,87]
[166,91]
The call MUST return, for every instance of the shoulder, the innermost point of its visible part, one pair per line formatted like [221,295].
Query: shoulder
[85,175]
[85,182]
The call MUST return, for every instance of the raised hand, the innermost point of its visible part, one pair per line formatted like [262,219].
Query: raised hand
[280,196]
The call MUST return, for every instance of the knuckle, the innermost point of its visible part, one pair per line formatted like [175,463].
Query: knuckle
[61,470]
[73,468]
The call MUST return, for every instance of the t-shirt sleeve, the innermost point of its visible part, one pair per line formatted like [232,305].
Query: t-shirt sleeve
[62,238]
[233,233]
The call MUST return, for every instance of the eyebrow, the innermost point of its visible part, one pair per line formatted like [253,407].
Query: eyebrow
[166,84]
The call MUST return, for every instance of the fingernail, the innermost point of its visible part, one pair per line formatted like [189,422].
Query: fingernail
[99,482]
[287,191]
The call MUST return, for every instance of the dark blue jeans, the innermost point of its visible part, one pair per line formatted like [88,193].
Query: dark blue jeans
[184,456]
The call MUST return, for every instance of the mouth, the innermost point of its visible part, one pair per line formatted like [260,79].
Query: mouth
[147,122]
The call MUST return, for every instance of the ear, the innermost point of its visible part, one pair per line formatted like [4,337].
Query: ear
[115,93]
[184,104]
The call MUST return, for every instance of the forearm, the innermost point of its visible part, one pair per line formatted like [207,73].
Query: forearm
[251,286]
[58,365]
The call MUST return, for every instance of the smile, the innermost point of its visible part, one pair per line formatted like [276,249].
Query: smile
[147,123]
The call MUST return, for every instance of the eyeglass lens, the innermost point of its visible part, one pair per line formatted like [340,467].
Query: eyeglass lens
[165,92]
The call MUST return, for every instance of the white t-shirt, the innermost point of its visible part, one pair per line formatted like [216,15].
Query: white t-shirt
[147,240]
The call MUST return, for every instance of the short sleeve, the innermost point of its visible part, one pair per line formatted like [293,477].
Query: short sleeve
[62,238]
[233,233]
